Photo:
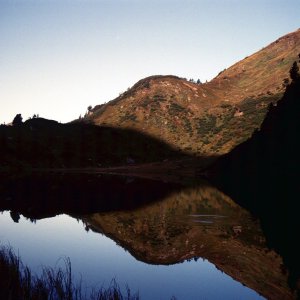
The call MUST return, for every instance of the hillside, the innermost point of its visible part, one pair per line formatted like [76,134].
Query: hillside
[262,174]
[210,118]
[42,143]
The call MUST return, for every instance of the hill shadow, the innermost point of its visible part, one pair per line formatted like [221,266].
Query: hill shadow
[262,175]
[42,143]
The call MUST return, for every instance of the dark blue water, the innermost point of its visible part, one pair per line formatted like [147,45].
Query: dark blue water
[97,260]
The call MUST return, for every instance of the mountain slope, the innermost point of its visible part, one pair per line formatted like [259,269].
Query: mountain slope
[208,118]
[262,174]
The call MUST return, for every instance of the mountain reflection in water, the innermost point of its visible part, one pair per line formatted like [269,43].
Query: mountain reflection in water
[159,223]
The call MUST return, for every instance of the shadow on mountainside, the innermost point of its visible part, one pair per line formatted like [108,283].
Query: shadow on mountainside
[41,143]
[262,175]
[46,145]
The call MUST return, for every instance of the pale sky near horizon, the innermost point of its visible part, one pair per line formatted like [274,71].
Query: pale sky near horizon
[59,57]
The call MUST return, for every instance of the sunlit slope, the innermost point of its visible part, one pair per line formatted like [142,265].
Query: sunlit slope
[208,118]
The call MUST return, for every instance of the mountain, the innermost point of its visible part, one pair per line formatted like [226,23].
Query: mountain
[210,118]
[42,143]
[262,174]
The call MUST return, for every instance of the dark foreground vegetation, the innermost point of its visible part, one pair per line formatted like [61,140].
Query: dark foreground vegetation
[18,283]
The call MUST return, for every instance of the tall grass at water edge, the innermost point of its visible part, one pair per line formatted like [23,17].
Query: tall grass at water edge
[18,283]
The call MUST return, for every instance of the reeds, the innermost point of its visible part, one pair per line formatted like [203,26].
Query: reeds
[18,283]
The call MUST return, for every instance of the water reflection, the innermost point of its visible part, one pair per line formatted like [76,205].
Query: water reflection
[159,223]
[198,222]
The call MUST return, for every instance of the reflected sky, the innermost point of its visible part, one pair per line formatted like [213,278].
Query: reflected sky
[97,259]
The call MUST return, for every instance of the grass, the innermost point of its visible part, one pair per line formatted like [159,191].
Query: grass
[18,282]
[176,108]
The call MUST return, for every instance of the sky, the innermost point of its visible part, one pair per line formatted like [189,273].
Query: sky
[57,57]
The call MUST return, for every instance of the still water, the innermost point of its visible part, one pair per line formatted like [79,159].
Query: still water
[98,259]
[189,242]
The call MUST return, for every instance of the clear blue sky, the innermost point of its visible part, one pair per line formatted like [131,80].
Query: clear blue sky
[58,57]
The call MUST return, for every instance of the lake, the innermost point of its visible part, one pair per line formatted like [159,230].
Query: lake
[162,239]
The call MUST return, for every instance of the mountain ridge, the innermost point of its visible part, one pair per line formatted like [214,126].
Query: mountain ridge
[261,175]
[205,119]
